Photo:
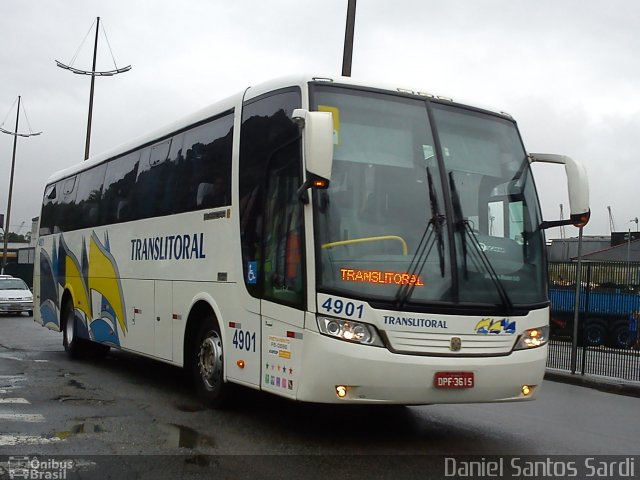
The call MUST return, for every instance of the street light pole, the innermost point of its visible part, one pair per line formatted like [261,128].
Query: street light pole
[629,247]
[576,307]
[93,81]
[93,73]
[348,39]
[13,167]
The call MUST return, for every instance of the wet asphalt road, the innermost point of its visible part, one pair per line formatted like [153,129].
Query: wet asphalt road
[129,417]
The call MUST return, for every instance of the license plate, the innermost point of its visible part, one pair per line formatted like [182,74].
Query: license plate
[453,380]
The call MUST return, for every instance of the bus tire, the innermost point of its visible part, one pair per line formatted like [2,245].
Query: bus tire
[73,345]
[208,364]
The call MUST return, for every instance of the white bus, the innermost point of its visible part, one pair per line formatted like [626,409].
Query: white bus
[317,238]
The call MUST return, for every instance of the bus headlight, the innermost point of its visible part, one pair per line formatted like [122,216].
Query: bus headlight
[349,331]
[532,338]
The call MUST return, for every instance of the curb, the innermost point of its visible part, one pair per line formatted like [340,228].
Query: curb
[597,383]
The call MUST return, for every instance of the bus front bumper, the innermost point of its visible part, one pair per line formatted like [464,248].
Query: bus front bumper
[376,375]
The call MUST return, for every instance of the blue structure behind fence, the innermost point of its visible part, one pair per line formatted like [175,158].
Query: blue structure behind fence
[609,315]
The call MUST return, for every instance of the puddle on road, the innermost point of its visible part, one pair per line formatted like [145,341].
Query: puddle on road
[86,401]
[184,437]
[77,384]
[84,427]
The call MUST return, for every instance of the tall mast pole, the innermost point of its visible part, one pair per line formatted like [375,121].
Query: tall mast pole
[13,165]
[348,39]
[94,74]
[93,80]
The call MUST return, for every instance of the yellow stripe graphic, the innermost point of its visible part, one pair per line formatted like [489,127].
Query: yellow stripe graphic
[104,278]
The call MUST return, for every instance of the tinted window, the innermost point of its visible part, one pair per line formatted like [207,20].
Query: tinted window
[282,231]
[47,216]
[205,166]
[269,168]
[155,186]
[65,208]
[88,199]
[189,171]
[118,188]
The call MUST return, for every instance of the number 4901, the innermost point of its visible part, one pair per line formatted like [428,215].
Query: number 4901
[244,340]
[339,307]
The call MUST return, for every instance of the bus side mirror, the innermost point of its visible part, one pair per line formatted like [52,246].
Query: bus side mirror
[577,184]
[317,134]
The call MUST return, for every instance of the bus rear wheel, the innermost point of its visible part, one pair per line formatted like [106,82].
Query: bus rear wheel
[208,365]
[73,345]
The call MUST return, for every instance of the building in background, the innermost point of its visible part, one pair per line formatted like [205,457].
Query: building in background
[619,247]
[21,256]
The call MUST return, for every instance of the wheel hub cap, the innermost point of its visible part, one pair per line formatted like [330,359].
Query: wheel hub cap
[210,360]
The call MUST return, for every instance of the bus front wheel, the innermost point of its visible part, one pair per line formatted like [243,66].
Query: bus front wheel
[208,365]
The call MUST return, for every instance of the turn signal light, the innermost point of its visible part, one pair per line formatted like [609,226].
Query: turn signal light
[580,219]
[319,183]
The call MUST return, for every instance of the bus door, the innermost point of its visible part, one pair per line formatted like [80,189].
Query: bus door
[271,229]
[283,299]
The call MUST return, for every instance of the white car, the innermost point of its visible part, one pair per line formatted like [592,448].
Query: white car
[15,296]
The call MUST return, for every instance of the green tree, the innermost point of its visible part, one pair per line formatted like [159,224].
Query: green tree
[15,238]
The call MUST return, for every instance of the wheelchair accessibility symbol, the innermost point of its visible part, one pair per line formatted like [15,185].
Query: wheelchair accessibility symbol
[252,273]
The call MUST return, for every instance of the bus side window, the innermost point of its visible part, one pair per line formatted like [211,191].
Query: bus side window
[47,215]
[118,187]
[65,211]
[89,197]
[205,175]
[154,193]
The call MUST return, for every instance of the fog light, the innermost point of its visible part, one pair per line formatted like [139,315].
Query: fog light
[341,391]
[526,390]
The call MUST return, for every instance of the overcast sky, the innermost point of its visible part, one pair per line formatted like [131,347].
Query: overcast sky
[567,70]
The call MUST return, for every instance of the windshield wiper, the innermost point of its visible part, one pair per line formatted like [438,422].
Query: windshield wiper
[427,242]
[464,229]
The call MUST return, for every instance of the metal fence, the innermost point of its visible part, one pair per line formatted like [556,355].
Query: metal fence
[608,320]
[603,361]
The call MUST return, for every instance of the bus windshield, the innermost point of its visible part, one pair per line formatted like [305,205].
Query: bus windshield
[426,207]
